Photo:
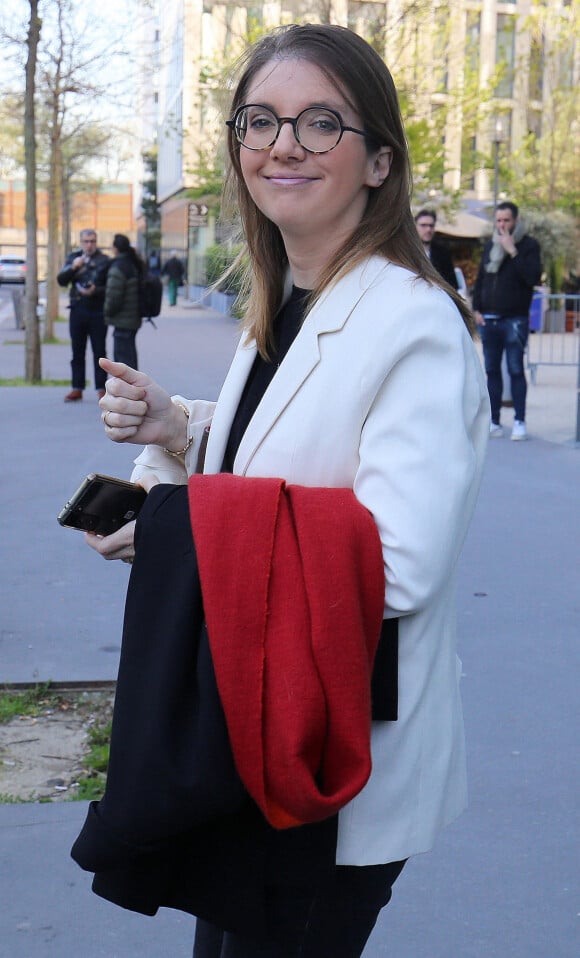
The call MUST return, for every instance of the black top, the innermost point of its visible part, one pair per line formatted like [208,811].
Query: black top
[441,259]
[286,326]
[508,293]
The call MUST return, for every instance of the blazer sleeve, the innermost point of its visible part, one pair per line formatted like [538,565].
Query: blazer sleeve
[421,451]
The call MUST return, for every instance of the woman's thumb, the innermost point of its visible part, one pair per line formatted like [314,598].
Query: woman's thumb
[124,372]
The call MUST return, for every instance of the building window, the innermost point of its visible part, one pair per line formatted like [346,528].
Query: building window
[469,161]
[504,53]
[506,125]
[440,63]
[472,40]
[536,74]
[534,124]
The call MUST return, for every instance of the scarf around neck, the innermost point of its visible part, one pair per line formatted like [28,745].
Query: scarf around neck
[497,253]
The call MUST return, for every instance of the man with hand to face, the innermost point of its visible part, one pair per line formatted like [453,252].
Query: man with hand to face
[510,268]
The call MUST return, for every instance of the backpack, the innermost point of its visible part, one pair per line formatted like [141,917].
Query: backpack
[150,296]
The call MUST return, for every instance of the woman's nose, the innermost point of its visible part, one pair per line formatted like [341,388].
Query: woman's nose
[286,143]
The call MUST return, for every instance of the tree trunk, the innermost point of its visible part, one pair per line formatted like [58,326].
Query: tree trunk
[33,371]
[53,252]
[66,213]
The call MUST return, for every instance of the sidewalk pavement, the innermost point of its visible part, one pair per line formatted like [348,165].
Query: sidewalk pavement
[503,881]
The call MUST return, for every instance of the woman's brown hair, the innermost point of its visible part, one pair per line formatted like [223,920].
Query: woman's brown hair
[387,227]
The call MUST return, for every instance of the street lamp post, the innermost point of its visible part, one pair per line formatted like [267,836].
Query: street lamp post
[497,141]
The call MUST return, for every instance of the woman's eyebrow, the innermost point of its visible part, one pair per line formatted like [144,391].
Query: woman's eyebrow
[316,105]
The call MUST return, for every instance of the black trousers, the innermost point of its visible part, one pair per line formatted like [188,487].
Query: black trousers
[125,348]
[86,323]
[333,920]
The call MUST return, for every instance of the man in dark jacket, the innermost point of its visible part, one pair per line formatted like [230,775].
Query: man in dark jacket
[439,255]
[85,272]
[510,268]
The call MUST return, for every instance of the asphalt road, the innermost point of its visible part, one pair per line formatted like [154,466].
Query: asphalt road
[503,882]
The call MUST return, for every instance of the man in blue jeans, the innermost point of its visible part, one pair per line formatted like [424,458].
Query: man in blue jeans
[510,268]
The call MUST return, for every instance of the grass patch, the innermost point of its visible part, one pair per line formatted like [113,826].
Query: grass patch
[92,786]
[21,381]
[49,341]
[91,713]
[29,702]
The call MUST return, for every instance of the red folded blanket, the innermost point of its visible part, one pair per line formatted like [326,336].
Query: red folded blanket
[293,589]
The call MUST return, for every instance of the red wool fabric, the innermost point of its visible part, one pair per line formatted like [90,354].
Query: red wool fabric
[293,588]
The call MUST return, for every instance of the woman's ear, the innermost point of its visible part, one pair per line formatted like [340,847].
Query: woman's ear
[381,165]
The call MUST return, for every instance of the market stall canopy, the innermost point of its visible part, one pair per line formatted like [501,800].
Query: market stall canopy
[464,226]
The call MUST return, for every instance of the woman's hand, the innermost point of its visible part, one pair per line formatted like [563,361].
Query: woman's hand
[136,409]
[120,544]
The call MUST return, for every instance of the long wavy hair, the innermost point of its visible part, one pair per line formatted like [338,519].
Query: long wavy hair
[387,227]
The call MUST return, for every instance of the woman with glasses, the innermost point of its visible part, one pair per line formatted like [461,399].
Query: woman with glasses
[356,369]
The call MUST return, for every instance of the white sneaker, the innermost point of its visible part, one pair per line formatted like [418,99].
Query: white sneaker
[519,430]
[495,430]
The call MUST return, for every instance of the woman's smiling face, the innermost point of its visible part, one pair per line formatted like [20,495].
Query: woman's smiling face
[310,197]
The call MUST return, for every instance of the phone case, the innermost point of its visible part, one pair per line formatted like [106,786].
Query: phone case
[102,504]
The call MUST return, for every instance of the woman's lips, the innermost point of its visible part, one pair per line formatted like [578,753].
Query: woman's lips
[289,180]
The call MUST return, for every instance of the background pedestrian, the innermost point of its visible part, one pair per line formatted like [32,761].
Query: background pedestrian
[122,299]
[426,221]
[510,268]
[84,272]
[174,270]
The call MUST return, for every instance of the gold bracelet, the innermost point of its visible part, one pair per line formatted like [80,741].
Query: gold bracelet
[189,441]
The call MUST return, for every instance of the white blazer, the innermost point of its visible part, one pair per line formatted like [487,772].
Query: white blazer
[382,391]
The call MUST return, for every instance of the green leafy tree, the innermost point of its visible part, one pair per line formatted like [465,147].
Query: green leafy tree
[556,232]
[545,169]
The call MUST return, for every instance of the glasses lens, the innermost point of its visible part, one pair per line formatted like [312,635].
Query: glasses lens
[318,130]
[256,127]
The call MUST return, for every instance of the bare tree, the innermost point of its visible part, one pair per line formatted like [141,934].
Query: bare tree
[33,362]
[75,53]
[80,146]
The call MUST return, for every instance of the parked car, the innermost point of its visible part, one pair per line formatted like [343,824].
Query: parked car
[461,284]
[12,269]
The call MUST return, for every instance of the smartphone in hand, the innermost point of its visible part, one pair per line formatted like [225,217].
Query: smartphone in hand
[102,504]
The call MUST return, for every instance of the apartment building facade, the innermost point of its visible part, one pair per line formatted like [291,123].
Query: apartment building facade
[481,72]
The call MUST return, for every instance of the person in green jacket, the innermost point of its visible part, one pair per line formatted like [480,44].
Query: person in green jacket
[122,299]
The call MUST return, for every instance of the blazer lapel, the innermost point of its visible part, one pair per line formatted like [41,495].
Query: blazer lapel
[328,316]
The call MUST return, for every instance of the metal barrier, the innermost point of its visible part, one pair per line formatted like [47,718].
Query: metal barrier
[555,337]
[555,327]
